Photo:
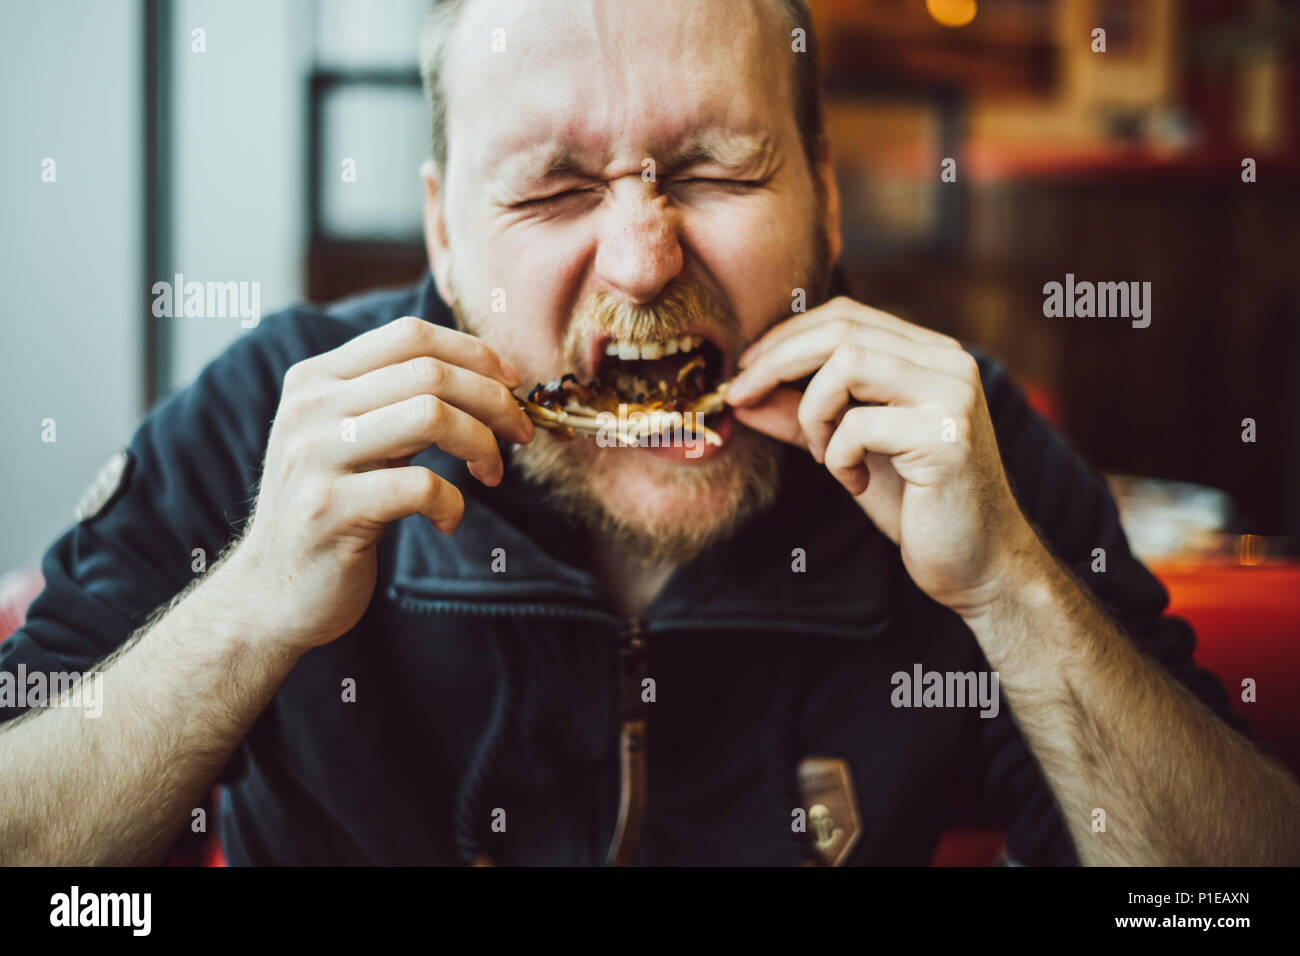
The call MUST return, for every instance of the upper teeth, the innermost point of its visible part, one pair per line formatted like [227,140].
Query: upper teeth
[630,351]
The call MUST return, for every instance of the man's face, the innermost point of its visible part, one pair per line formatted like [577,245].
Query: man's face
[623,172]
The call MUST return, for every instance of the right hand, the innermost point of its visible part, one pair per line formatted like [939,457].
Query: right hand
[325,501]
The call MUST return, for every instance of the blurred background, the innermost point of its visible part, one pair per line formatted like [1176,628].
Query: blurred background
[214,138]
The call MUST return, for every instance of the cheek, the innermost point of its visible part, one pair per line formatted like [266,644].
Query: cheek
[521,285]
[542,276]
[757,255]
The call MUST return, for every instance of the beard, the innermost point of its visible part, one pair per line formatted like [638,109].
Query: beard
[656,509]
[693,506]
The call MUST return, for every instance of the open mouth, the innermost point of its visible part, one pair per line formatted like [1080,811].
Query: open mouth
[650,389]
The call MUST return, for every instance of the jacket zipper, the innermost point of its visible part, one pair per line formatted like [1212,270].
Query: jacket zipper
[631,637]
[632,666]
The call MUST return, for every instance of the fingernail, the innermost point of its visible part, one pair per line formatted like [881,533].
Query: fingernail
[510,372]
[486,476]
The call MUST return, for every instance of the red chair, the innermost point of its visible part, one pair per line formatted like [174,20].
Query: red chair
[1247,623]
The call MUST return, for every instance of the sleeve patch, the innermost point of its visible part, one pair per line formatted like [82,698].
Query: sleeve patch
[105,487]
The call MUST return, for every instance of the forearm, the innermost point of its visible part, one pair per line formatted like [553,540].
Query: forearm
[1113,731]
[177,700]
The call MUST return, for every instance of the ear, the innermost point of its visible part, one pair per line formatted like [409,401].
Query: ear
[435,231]
[830,195]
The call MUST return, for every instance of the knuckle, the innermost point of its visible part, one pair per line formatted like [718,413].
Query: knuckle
[504,402]
[807,417]
[849,354]
[969,367]
[965,396]
[483,355]
[295,454]
[427,412]
[318,499]
[296,374]
[837,453]
[301,403]
[837,462]
[812,427]
[425,485]
[856,419]
[843,327]
[408,329]
[429,373]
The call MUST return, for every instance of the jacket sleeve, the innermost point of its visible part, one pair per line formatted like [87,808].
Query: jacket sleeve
[189,484]
[1073,509]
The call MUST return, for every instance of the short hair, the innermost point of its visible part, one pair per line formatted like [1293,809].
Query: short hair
[444,15]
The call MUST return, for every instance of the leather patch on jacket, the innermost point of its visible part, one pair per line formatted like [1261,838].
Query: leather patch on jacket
[834,826]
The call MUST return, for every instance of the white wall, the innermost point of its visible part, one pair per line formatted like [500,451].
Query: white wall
[72,261]
[369,33]
[71,270]
[239,149]
[238,130]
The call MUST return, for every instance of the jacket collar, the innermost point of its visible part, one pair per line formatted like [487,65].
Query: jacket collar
[851,570]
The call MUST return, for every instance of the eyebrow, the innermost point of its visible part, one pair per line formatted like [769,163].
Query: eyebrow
[537,163]
[734,150]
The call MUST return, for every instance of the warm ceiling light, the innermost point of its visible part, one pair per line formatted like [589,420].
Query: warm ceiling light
[952,13]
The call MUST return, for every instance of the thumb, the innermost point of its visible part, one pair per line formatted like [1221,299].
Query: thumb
[777,415]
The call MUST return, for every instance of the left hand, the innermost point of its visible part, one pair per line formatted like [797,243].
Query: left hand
[923,463]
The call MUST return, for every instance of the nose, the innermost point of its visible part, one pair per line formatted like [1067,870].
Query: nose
[640,251]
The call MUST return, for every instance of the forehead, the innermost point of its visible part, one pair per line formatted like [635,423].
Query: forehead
[610,78]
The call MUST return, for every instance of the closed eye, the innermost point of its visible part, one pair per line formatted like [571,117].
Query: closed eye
[732,185]
[543,201]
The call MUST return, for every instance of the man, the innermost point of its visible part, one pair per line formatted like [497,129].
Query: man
[442,635]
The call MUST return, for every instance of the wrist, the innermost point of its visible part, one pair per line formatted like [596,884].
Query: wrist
[236,594]
[1022,579]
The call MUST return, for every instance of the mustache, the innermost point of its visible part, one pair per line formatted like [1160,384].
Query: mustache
[682,305]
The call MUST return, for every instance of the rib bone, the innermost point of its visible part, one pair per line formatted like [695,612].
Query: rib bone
[582,420]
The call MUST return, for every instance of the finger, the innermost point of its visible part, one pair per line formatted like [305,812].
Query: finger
[844,307]
[777,415]
[800,355]
[410,426]
[883,429]
[390,494]
[386,463]
[408,337]
[484,398]
[854,373]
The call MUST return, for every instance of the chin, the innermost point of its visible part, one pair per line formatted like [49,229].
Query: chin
[659,508]
[666,499]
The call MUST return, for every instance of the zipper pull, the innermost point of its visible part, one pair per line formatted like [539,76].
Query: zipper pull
[632,667]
